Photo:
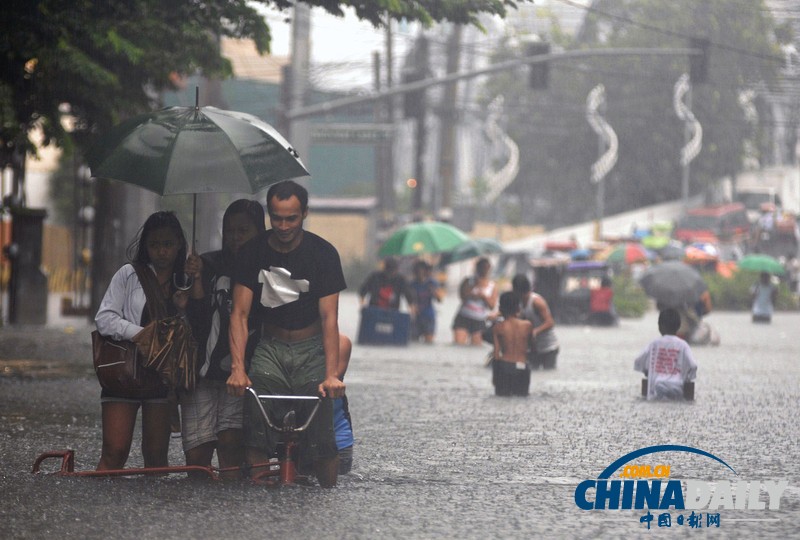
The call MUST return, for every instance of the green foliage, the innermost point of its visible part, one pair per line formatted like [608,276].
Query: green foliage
[425,11]
[733,293]
[629,298]
[108,59]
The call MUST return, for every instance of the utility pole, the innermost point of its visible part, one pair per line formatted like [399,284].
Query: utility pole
[383,182]
[448,113]
[415,106]
[387,197]
[299,129]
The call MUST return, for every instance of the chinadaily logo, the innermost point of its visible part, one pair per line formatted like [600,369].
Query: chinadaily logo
[644,481]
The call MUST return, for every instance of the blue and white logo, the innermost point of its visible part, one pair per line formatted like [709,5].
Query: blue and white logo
[651,486]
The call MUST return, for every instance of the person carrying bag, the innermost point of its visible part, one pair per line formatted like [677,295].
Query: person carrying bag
[163,352]
[144,351]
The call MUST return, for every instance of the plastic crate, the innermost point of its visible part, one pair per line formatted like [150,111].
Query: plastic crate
[383,327]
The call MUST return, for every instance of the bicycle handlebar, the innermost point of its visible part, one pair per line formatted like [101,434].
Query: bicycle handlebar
[284,429]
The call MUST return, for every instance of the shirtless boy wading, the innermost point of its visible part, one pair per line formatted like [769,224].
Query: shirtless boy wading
[293,278]
[513,337]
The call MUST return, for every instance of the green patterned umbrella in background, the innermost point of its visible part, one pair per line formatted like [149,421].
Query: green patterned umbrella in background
[423,237]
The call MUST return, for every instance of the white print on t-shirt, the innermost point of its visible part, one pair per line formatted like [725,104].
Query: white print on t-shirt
[279,287]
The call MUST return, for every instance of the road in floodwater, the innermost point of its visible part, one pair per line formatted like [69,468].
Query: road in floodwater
[437,455]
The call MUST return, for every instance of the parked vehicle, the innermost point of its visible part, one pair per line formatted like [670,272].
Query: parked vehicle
[779,186]
[727,223]
[567,287]
[753,197]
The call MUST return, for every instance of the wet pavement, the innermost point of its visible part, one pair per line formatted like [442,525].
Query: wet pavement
[437,455]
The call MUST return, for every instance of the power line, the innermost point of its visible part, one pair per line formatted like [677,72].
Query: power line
[673,33]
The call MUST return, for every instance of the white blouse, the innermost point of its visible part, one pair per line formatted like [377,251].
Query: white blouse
[121,310]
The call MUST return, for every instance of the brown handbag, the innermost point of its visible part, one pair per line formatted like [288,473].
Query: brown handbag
[119,368]
[167,347]
[120,364]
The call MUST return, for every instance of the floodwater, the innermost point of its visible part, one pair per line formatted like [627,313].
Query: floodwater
[437,455]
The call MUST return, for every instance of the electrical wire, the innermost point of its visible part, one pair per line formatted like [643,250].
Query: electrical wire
[672,33]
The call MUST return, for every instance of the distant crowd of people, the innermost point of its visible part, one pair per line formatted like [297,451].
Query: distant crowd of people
[477,317]
[519,325]
[477,309]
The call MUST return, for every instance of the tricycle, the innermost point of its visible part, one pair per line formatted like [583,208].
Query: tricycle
[278,471]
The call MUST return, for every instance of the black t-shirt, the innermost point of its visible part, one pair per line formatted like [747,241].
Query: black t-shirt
[313,268]
[210,318]
[386,291]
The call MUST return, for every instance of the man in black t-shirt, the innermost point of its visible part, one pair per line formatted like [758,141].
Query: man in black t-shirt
[292,278]
[386,287]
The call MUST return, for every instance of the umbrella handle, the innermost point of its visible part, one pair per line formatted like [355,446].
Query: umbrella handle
[188,281]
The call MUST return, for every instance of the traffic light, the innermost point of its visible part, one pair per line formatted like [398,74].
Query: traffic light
[698,64]
[539,72]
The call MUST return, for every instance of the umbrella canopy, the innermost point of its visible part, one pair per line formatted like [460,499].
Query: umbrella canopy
[195,150]
[423,237]
[673,284]
[474,247]
[761,263]
[628,253]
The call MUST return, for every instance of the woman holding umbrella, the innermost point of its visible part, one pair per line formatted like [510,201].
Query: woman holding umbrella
[212,419]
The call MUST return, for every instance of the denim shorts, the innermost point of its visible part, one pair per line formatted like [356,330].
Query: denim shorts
[282,368]
[206,411]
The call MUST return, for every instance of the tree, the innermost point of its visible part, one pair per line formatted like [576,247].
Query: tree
[103,61]
[108,59]
[639,95]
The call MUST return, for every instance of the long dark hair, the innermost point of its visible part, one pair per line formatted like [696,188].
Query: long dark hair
[252,209]
[137,250]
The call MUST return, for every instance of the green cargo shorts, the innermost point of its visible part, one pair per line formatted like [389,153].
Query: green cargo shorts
[289,369]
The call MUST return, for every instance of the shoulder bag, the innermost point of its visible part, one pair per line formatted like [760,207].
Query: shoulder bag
[119,363]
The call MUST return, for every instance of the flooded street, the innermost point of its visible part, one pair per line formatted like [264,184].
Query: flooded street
[436,455]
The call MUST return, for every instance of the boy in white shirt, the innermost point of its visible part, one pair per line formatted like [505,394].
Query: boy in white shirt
[667,362]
